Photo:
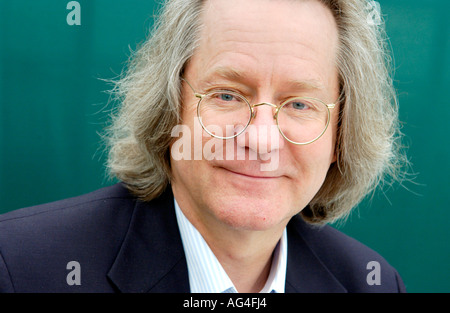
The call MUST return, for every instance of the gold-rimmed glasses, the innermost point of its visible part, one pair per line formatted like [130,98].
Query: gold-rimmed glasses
[226,114]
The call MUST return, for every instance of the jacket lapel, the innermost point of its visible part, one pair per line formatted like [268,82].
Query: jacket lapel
[151,258]
[305,272]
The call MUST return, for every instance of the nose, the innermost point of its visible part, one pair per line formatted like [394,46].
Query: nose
[262,135]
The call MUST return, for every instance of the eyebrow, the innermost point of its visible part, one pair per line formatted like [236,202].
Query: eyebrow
[308,84]
[235,75]
[228,73]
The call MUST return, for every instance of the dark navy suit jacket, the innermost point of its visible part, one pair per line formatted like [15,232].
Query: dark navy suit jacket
[124,245]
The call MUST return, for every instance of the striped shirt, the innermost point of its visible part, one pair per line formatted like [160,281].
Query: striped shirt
[207,275]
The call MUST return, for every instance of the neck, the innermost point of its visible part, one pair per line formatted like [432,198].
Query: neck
[248,270]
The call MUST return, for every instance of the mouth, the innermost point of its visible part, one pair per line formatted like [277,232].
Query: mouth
[251,175]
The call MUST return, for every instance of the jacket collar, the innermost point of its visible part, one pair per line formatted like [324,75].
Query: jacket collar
[152,259]
[305,271]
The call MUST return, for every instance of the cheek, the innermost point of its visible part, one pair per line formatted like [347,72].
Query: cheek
[313,161]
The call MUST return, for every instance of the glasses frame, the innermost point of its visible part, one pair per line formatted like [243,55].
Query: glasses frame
[253,114]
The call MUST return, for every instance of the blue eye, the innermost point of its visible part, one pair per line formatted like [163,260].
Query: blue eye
[299,105]
[226,97]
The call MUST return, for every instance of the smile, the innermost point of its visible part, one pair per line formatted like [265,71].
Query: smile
[250,175]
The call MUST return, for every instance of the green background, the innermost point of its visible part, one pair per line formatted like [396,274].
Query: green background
[53,105]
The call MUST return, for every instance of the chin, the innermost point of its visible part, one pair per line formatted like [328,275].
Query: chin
[250,215]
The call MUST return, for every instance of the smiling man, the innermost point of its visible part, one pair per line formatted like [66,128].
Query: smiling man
[302,81]
[241,211]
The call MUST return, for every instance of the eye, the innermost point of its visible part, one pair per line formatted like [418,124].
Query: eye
[226,96]
[298,104]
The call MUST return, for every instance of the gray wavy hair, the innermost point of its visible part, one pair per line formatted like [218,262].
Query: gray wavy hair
[368,139]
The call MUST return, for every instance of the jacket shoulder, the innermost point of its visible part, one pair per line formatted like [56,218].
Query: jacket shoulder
[357,267]
[116,191]
[37,243]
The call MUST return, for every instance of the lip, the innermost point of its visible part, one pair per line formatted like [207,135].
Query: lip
[250,175]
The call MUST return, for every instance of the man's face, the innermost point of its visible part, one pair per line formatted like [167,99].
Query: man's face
[268,51]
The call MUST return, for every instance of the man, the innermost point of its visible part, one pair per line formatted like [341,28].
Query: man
[294,105]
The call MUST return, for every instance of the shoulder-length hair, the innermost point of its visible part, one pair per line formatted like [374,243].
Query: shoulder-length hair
[368,145]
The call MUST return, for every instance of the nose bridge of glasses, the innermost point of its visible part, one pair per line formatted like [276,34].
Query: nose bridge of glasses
[261,104]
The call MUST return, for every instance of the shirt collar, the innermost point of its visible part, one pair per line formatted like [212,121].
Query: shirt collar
[206,274]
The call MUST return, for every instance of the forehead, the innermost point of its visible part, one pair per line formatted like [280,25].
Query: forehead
[267,40]
[287,19]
